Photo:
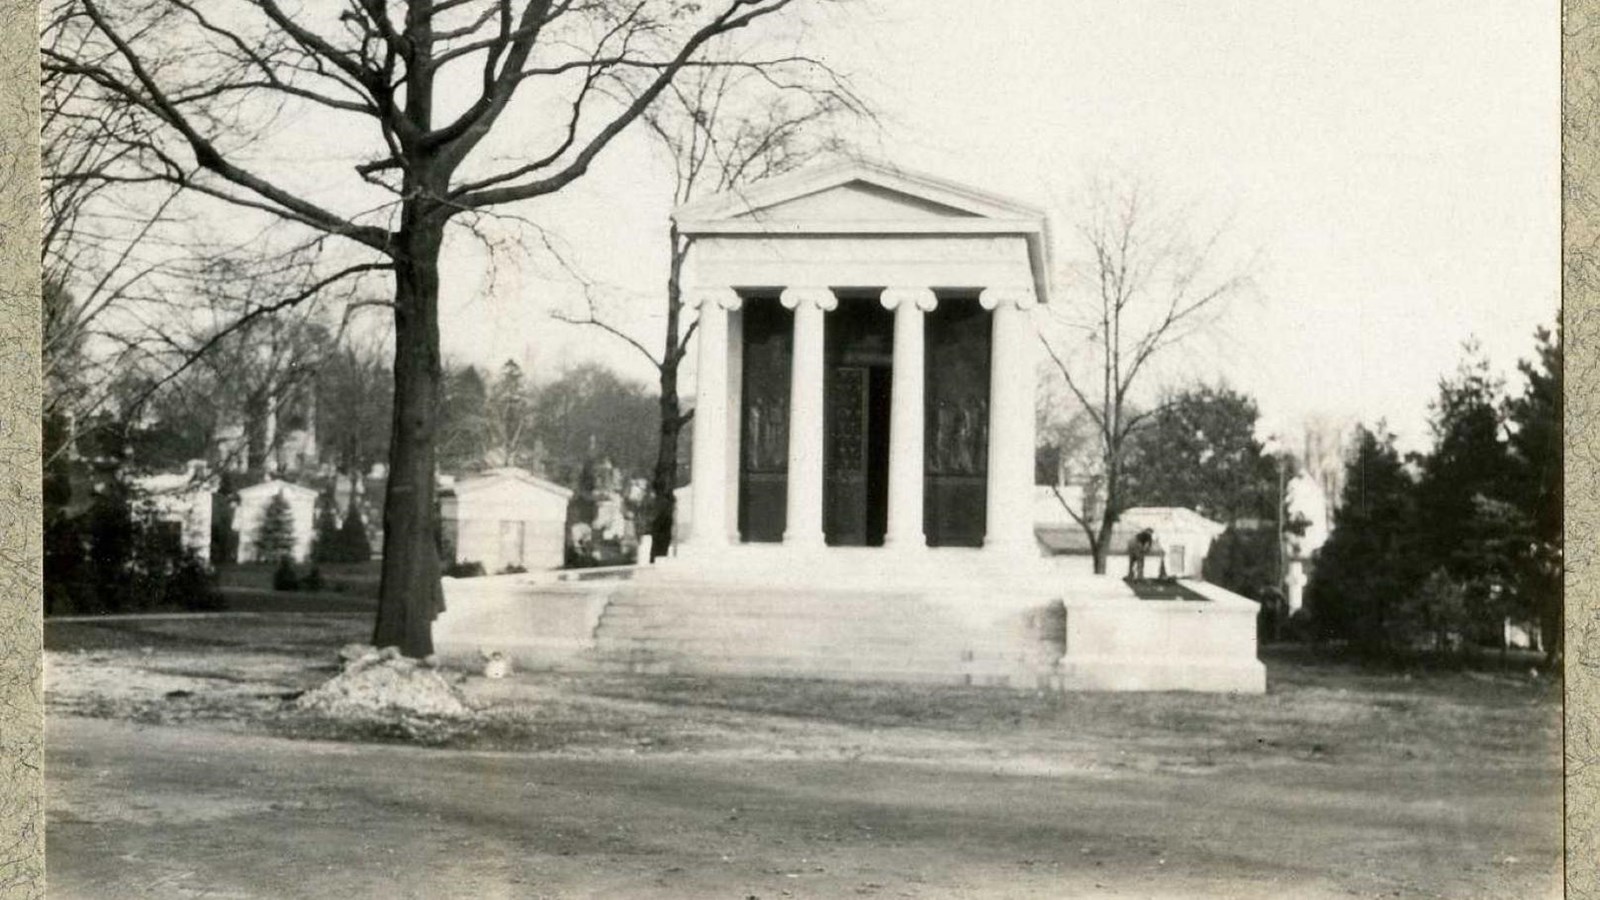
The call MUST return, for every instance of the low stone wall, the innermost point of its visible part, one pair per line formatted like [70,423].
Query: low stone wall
[1163,645]
[535,621]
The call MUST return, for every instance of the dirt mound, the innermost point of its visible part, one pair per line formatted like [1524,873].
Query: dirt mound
[382,683]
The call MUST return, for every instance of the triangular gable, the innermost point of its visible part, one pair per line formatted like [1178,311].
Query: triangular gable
[274,486]
[856,190]
[498,479]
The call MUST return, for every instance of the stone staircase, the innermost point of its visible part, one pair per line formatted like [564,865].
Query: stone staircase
[865,634]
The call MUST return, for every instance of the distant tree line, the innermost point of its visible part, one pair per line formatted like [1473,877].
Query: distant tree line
[1437,550]
[585,415]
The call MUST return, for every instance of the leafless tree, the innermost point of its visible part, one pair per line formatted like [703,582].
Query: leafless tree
[425,83]
[724,128]
[1141,279]
[100,233]
[1324,443]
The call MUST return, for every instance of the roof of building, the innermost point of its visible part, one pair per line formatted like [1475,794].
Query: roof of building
[1165,520]
[496,479]
[274,486]
[904,199]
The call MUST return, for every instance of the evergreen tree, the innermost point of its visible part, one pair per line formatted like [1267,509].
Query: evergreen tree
[1535,421]
[1471,533]
[463,420]
[353,543]
[325,541]
[1371,560]
[275,534]
[1470,459]
[1199,451]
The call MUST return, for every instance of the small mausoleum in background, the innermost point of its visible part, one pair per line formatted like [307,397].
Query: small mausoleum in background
[1183,537]
[863,468]
[181,502]
[503,518]
[252,510]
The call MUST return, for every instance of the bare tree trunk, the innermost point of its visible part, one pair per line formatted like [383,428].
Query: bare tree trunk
[409,593]
[1101,545]
[664,481]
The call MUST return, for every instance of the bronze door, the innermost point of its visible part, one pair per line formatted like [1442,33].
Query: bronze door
[845,467]
[768,335]
[956,422]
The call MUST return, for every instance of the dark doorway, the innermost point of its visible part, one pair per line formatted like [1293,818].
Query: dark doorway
[859,349]
[764,418]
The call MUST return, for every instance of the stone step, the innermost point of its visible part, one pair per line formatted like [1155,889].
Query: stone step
[729,628]
[935,671]
[857,650]
[865,616]
[777,625]
[851,657]
[779,605]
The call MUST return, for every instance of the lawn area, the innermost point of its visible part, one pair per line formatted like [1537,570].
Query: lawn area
[346,588]
[359,579]
[1339,781]
[1316,710]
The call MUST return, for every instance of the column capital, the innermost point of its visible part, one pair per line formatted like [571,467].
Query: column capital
[914,297]
[1017,296]
[722,298]
[820,297]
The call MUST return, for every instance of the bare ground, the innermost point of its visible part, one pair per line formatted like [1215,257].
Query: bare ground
[179,767]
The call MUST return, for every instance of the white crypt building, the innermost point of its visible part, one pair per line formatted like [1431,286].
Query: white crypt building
[862,470]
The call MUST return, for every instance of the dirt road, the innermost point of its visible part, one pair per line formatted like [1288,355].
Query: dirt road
[172,811]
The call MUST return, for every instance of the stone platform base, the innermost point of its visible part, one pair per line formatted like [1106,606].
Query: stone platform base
[945,616]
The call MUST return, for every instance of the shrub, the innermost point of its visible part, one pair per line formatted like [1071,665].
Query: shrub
[466,569]
[193,587]
[313,580]
[353,543]
[1245,561]
[325,540]
[284,577]
[275,534]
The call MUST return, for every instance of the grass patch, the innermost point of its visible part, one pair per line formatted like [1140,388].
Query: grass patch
[243,671]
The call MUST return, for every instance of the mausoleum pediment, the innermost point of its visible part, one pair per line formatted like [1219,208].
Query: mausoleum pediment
[856,201]
[854,194]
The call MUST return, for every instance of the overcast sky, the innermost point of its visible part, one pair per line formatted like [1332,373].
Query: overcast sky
[1395,163]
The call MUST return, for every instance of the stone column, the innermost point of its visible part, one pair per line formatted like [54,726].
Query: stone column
[710,464]
[906,412]
[803,526]
[1011,427]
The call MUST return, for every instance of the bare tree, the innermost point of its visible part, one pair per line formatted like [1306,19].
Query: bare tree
[1141,280]
[723,128]
[101,240]
[425,82]
[1324,446]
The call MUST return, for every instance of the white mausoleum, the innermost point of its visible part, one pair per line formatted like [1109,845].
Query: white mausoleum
[866,363]
[504,517]
[862,469]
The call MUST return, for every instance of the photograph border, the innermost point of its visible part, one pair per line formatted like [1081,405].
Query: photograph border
[1580,277]
[22,864]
